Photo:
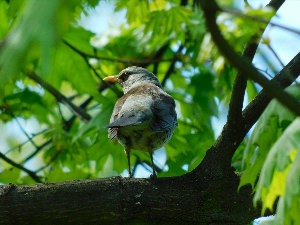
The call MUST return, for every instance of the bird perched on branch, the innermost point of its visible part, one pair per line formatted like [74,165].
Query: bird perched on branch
[144,118]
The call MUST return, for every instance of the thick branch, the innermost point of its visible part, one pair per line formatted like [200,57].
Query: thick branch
[119,200]
[240,83]
[284,78]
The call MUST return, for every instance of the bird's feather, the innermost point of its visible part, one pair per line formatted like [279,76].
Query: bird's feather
[164,116]
[112,133]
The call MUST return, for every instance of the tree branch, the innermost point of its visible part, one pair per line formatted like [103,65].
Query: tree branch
[240,83]
[273,89]
[119,200]
[172,65]
[260,20]
[18,147]
[59,97]
[284,78]
[14,164]
[125,61]
[220,154]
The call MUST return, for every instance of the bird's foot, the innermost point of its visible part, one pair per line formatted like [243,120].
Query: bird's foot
[153,176]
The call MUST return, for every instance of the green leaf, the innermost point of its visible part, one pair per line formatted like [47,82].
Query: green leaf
[251,90]
[289,206]
[202,89]
[11,175]
[72,68]
[4,18]
[26,103]
[268,129]
[92,3]
[80,39]
[62,174]
[37,30]
[137,11]
[272,181]
[42,35]
[168,22]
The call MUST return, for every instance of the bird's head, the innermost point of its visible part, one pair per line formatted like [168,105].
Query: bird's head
[132,77]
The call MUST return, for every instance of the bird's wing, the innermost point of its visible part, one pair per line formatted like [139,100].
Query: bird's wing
[163,108]
[130,110]
[112,132]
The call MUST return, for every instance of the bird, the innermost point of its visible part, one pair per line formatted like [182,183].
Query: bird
[144,118]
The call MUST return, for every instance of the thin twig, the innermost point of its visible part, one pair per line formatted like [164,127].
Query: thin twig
[24,131]
[60,97]
[53,158]
[275,54]
[14,164]
[260,20]
[86,59]
[125,61]
[172,65]
[25,142]
[37,150]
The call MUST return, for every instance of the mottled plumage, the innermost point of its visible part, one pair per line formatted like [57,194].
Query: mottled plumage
[144,118]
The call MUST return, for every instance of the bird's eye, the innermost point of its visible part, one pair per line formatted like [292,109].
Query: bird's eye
[124,76]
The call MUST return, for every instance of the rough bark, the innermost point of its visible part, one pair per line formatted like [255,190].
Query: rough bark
[116,200]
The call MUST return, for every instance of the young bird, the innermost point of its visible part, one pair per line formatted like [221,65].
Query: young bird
[144,118]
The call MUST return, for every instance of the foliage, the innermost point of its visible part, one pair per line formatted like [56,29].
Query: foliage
[272,155]
[269,129]
[42,40]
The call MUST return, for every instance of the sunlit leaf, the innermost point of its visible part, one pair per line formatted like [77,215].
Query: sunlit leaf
[11,175]
[273,178]
[269,127]
[30,37]
[289,206]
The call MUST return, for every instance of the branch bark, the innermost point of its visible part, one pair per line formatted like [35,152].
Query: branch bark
[240,83]
[119,200]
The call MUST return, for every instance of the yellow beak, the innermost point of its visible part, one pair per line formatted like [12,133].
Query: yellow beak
[113,79]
